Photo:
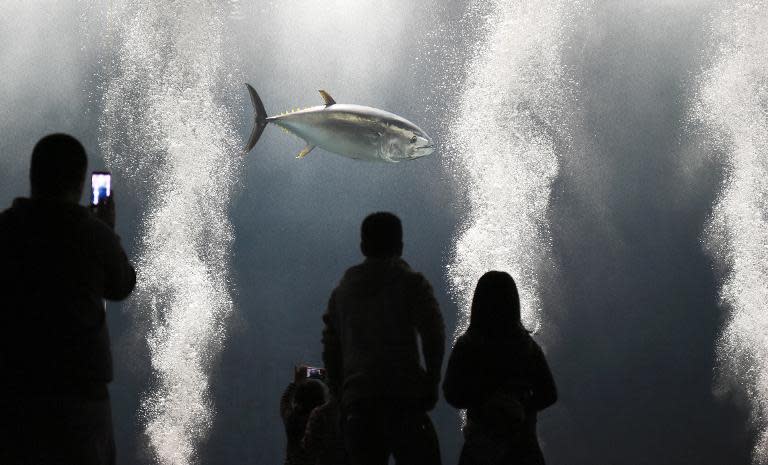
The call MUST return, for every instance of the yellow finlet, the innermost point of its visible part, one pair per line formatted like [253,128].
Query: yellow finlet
[305,151]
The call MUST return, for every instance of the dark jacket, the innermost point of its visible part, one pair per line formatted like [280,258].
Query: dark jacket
[57,265]
[489,379]
[370,340]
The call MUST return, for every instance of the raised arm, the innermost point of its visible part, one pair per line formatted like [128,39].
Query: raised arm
[286,401]
[119,275]
[315,435]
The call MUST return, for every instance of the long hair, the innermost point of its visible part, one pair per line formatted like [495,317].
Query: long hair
[496,307]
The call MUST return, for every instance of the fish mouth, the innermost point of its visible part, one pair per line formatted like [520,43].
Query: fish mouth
[423,151]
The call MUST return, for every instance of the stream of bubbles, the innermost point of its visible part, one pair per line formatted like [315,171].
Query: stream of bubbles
[165,129]
[733,105]
[506,136]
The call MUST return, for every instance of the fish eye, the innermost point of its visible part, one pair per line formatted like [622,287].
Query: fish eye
[413,140]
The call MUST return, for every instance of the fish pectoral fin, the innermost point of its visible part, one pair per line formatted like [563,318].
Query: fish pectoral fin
[327,98]
[305,151]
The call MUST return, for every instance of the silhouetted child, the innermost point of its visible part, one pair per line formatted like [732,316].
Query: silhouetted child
[299,399]
[499,374]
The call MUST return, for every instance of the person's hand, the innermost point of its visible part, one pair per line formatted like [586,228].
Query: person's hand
[105,210]
[299,373]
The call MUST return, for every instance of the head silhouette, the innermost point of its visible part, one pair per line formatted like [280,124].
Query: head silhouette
[495,306]
[309,394]
[57,170]
[381,236]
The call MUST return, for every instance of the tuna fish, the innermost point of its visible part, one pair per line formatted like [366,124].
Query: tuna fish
[353,131]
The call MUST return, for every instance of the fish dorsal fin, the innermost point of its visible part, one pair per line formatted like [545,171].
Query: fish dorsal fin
[327,97]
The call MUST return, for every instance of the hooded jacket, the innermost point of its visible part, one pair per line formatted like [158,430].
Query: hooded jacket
[57,265]
[370,343]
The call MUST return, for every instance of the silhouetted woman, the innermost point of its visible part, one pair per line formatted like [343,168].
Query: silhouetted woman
[499,374]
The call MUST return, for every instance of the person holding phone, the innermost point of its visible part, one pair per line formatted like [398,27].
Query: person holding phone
[300,398]
[59,262]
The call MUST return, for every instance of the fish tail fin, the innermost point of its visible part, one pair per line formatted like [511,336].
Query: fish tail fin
[260,118]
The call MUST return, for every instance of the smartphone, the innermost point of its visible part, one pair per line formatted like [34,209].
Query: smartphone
[315,373]
[101,186]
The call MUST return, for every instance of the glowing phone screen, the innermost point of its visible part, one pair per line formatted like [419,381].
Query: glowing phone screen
[101,187]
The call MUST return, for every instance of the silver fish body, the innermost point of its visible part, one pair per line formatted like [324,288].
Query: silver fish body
[353,131]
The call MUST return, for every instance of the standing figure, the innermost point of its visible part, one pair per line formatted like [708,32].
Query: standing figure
[58,263]
[499,374]
[371,351]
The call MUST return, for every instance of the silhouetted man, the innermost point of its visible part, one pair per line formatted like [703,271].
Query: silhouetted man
[371,352]
[58,261]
